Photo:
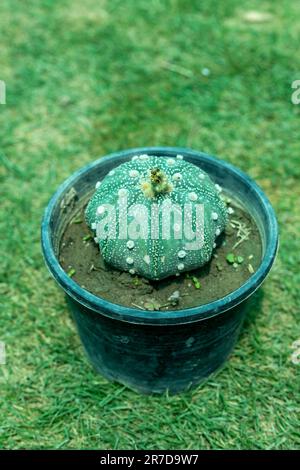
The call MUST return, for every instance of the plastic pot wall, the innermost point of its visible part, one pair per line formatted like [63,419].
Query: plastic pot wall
[152,351]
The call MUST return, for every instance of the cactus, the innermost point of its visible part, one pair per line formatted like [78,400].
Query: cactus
[136,196]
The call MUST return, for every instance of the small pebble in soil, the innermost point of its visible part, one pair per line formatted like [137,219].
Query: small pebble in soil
[175,297]
[250,268]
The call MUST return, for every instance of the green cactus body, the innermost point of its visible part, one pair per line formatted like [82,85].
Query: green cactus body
[141,235]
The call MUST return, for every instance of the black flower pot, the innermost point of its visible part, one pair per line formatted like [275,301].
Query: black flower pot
[154,351]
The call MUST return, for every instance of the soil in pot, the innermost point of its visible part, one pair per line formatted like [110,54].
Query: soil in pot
[234,260]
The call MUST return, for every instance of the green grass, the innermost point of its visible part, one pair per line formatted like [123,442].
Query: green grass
[87,78]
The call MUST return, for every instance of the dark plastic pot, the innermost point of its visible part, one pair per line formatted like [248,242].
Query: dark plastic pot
[152,351]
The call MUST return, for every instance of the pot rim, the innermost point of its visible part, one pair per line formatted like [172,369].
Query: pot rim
[133,315]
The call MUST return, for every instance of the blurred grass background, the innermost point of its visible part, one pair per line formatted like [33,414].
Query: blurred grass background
[87,78]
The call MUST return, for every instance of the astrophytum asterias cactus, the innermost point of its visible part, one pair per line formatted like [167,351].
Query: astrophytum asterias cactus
[156,216]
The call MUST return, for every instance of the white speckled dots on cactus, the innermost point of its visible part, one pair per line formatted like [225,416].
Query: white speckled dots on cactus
[153,256]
